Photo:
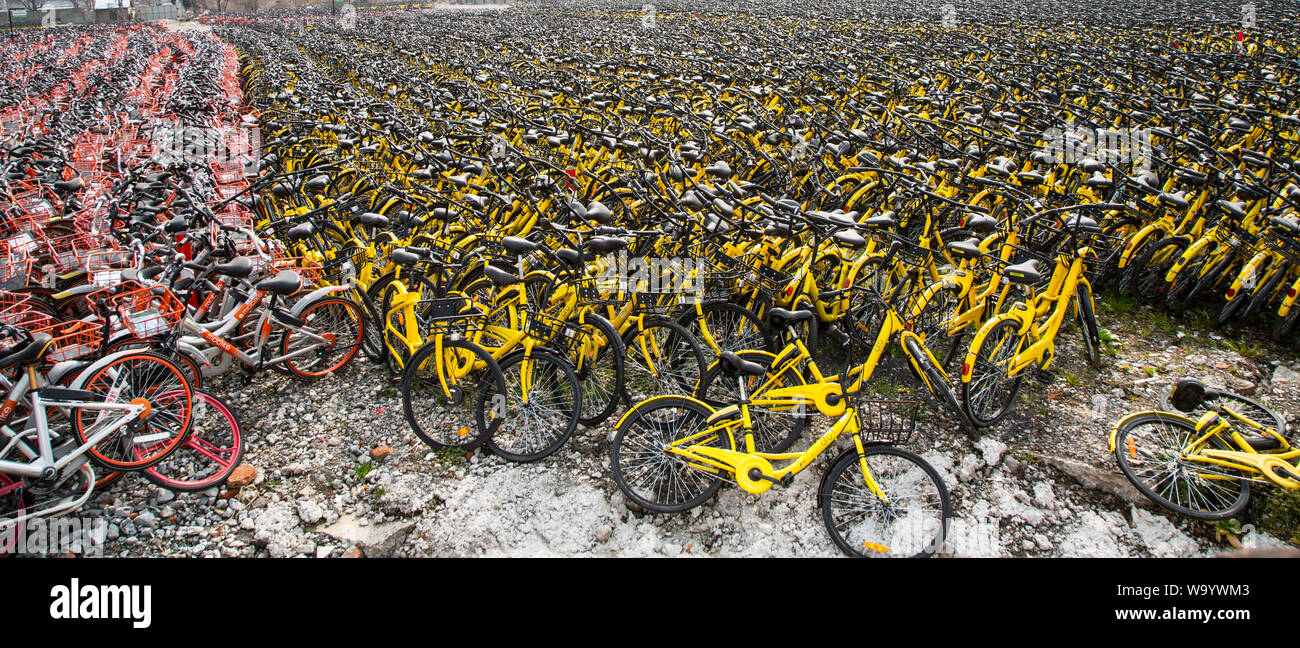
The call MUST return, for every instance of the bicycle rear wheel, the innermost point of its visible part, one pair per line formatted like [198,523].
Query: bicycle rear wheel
[775,430]
[910,522]
[990,391]
[343,325]
[1149,449]
[139,375]
[663,358]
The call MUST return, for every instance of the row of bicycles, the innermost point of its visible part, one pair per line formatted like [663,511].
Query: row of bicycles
[659,222]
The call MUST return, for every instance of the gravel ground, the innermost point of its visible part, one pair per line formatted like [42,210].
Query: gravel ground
[1040,484]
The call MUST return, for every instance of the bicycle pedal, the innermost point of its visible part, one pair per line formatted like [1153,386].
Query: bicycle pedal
[1044,377]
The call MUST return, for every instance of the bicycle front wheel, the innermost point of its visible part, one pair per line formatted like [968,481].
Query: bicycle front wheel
[137,446]
[209,454]
[537,427]
[340,323]
[446,405]
[990,391]
[907,519]
[1149,448]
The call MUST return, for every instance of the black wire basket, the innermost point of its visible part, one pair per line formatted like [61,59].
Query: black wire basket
[888,421]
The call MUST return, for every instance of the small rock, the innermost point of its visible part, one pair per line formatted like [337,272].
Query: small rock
[1283,375]
[992,449]
[353,552]
[162,496]
[146,519]
[242,476]
[380,453]
[310,512]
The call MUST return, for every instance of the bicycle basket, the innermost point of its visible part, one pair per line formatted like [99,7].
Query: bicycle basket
[148,311]
[72,340]
[888,421]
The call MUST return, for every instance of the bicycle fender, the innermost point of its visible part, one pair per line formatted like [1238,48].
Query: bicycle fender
[1114,429]
[315,296]
[656,399]
[101,363]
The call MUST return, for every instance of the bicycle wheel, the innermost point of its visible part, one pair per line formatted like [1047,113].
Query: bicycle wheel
[1262,297]
[1149,449]
[155,345]
[372,345]
[1088,325]
[910,522]
[535,429]
[934,318]
[209,454]
[988,394]
[937,380]
[446,411]
[655,479]
[663,358]
[340,322]
[137,445]
[1186,281]
[723,326]
[775,430]
[1150,268]
[1285,326]
[13,505]
[598,359]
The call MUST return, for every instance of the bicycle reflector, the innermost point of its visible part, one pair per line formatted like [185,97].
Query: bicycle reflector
[1188,394]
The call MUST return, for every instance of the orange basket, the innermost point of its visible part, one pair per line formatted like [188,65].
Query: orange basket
[311,272]
[147,313]
[227,173]
[37,206]
[72,340]
[71,251]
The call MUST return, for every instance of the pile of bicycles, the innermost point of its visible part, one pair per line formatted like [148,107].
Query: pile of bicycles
[694,214]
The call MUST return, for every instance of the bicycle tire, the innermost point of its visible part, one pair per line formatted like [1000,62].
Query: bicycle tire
[430,414]
[209,454]
[515,443]
[925,534]
[648,476]
[1004,339]
[348,326]
[142,375]
[770,435]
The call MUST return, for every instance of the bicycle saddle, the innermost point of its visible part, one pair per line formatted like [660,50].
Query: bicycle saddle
[516,245]
[500,277]
[404,258]
[285,282]
[1098,180]
[372,219]
[1024,273]
[981,223]
[598,212]
[968,249]
[781,317]
[1235,209]
[736,365]
[30,354]
[300,231]
[1188,394]
[238,268]
[603,244]
[1176,199]
[850,239]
